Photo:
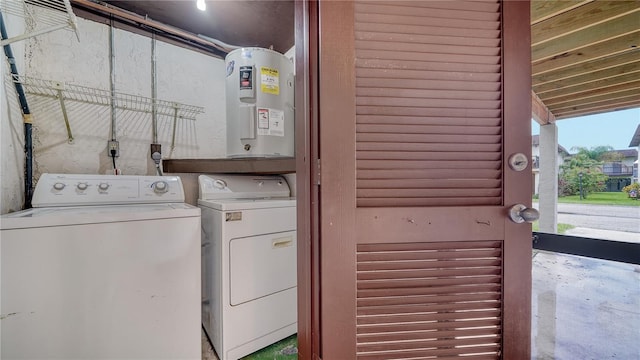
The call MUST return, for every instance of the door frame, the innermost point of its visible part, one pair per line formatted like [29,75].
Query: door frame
[307,177]
[516,100]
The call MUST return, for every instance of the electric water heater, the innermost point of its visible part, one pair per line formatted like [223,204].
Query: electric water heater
[259,96]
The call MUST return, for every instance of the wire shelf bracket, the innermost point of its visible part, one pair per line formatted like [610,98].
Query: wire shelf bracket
[60,17]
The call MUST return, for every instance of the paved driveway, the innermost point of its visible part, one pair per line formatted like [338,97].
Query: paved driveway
[604,217]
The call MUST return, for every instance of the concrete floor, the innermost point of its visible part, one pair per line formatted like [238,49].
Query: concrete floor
[584,308]
[207,350]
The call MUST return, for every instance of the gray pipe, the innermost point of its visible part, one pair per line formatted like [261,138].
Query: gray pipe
[112,72]
[154,90]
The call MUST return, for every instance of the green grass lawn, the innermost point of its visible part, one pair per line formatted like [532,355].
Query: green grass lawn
[601,198]
[562,228]
[285,349]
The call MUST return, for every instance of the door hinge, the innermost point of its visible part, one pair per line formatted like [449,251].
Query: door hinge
[317,182]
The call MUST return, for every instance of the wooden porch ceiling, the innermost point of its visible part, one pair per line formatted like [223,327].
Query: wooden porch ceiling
[585,57]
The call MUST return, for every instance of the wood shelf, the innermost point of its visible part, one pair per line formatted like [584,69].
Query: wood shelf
[244,165]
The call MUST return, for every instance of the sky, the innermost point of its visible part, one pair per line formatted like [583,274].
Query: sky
[614,129]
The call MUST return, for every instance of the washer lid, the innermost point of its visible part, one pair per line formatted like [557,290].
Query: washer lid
[247,204]
[79,215]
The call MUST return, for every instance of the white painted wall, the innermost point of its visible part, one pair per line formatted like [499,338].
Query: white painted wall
[11,127]
[637,167]
[628,161]
[183,76]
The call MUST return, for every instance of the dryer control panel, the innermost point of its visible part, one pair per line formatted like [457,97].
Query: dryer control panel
[224,186]
[87,189]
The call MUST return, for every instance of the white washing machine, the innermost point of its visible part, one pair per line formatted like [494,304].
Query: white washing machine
[248,262]
[105,267]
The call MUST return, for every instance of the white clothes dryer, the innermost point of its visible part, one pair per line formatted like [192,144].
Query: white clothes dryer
[105,267]
[249,262]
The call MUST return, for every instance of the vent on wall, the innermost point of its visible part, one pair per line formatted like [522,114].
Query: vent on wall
[428,103]
[429,300]
[41,17]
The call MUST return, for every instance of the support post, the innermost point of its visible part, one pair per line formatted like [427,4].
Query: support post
[548,190]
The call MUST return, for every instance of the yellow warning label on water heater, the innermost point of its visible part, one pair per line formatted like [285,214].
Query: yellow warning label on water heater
[269,81]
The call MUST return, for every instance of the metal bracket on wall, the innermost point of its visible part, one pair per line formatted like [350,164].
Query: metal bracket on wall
[70,92]
[173,132]
[64,114]
[60,16]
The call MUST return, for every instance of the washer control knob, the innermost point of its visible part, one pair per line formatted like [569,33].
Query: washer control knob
[59,186]
[103,186]
[82,186]
[160,187]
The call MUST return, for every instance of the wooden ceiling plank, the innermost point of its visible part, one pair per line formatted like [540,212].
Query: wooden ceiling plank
[598,110]
[587,67]
[605,96]
[589,77]
[611,100]
[613,103]
[592,52]
[579,18]
[540,112]
[595,92]
[601,32]
[543,10]
[594,112]
[616,80]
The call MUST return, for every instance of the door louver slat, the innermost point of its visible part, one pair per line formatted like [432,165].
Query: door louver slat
[426,112]
[425,326]
[451,67]
[412,93]
[419,155]
[421,84]
[430,184]
[379,322]
[428,100]
[447,47]
[429,138]
[408,147]
[429,300]
[446,174]
[475,5]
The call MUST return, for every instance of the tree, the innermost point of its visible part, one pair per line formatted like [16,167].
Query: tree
[599,153]
[593,180]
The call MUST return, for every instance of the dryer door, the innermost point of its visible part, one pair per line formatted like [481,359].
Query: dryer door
[262,265]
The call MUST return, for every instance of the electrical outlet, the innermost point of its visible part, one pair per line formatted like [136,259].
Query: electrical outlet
[156,148]
[113,145]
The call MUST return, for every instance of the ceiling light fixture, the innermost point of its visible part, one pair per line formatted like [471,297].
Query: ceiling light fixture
[200,4]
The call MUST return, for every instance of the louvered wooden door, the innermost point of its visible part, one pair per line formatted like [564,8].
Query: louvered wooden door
[420,106]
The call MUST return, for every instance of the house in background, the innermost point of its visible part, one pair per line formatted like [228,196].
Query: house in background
[535,160]
[635,142]
[620,172]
